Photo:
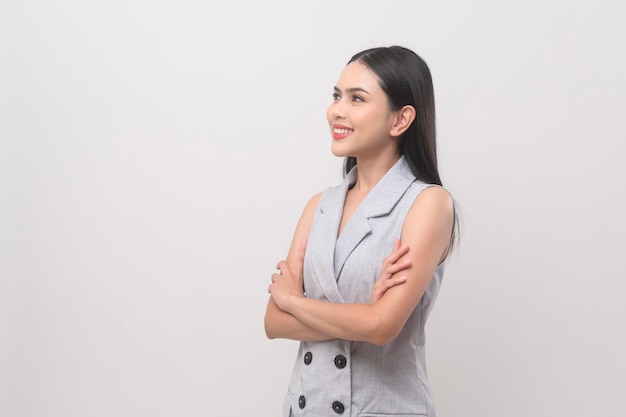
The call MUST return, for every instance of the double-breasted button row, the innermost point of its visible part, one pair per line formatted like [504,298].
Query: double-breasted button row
[337,405]
[340,360]
[340,363]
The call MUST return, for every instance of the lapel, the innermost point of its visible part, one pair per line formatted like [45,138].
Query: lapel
[325,235]
[330,253]
[379,202]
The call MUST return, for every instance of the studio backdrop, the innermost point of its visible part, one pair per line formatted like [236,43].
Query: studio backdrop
[155,157]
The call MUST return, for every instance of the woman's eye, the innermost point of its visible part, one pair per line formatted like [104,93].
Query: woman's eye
[335,96]
[357,98]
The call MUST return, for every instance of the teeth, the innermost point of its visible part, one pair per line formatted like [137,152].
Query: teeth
[341,131]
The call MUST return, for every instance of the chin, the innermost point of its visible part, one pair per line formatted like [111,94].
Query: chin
[337,150]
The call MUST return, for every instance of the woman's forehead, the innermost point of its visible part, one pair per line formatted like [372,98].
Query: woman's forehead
[358,75]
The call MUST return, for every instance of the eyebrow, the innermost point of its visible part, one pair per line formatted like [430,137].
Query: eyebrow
[352,90]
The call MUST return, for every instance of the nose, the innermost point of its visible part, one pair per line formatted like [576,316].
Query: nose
[336,110]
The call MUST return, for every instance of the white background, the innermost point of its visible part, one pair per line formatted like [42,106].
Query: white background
[156,155]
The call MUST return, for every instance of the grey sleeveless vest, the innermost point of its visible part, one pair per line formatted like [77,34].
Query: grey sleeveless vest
[358,379]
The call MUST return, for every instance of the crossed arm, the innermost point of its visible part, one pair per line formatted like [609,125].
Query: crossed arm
[403,280]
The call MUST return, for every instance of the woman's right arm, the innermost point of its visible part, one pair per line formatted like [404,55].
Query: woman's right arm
[279,324]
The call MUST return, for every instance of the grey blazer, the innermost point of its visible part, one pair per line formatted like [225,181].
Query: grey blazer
[358,379]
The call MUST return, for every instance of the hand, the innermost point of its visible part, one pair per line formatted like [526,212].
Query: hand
[390,267]
[288,282]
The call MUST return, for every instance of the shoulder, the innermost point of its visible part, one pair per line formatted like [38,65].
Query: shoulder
[431,212]
[303,228]
[432,203]
[429,224]
[309,213]
[312,203]
[434,197]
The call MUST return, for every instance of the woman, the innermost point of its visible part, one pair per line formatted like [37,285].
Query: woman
[360,316]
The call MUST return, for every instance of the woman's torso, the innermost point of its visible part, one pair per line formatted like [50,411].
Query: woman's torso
[359,379]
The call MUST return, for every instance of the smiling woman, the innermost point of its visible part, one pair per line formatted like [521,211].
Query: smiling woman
[359,315]
[358,101]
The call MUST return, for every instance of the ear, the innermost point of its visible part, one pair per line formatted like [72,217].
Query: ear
[403,119]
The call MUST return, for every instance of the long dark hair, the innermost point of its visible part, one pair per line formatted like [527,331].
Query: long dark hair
[405,78]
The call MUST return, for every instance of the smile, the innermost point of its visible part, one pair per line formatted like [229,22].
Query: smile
[340,132]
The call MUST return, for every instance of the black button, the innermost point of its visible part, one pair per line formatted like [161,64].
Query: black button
[302,402]
[338,407]
[308,357]
[340,361]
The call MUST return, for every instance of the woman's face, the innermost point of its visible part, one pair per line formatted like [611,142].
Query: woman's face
[359,117]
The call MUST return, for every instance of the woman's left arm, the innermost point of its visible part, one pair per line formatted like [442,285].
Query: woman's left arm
[427,230]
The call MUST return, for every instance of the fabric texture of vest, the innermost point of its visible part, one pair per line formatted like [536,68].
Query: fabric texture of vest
[359,379]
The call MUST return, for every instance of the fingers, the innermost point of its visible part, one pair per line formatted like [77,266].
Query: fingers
[285,272]
[282,267]
[381,287]
[390,283]
[398,267]
[398,252]
[392,264]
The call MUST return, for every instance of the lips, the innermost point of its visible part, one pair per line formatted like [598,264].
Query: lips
[340,131]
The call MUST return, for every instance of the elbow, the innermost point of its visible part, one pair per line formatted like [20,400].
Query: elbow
[270,332]
[379,342]
[381,338]
[270,321]
[382,332]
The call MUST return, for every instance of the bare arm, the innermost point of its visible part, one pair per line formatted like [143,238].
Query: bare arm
[279,323]
[282,324]
[426,230]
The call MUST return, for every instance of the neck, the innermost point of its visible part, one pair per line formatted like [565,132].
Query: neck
[370,171]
